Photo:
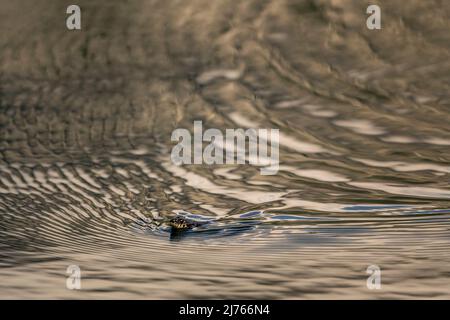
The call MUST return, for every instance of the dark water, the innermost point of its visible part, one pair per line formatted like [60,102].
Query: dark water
[85,124]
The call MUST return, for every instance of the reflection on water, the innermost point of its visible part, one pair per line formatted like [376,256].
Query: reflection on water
[85,170]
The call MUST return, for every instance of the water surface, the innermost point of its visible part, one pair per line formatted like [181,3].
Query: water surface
[85,124]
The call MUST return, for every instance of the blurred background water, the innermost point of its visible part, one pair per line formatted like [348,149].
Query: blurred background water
[85,124]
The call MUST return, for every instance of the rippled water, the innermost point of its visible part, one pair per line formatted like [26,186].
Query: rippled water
[85,171]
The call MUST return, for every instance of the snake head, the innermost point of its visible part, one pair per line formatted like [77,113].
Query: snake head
[179,223]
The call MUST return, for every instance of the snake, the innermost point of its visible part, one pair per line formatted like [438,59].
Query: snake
[183,225]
